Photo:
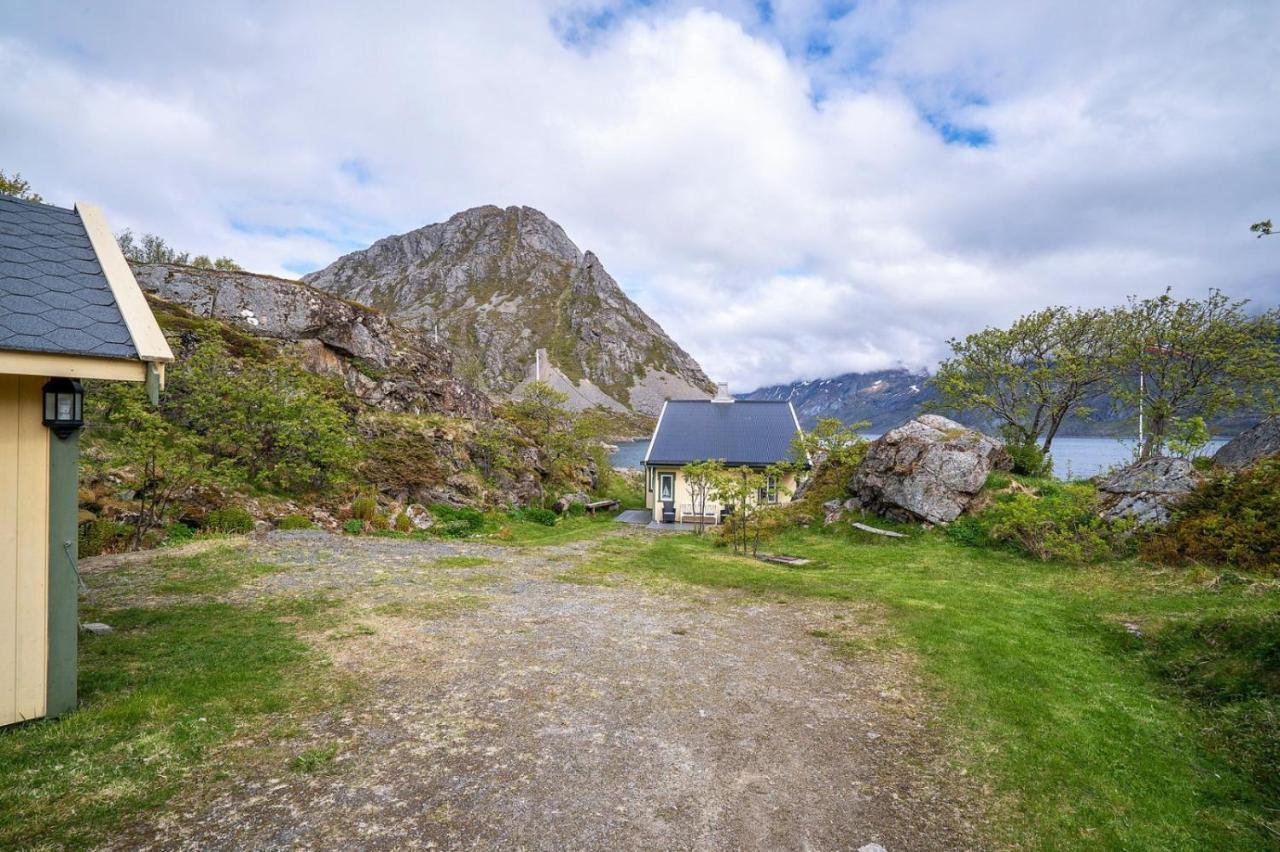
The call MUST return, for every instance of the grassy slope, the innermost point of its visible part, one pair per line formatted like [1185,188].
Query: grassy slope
[160,697]
[1050,697]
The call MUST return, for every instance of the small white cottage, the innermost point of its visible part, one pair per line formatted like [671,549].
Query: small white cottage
[740,433]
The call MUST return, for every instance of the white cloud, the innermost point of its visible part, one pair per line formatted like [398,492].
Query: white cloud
[772,191]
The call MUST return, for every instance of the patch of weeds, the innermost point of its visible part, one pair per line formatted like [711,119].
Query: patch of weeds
[821,634]
[432,608]
[351,632]
[461,562]
[317,760]
[679,631]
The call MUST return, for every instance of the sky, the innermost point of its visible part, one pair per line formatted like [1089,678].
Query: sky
[793,189]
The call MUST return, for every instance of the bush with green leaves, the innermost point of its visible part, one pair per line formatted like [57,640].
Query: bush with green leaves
[282,427]
[178,533]
[546,517]
[103,536]
[353,526]
[1028,458]
[404,523]
[364,508]
[1061,522]
[1233,518]
[457,521]
[295,522]
[232,519]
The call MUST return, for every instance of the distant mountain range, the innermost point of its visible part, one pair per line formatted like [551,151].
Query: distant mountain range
[889,398]
[498,285]
[886,398]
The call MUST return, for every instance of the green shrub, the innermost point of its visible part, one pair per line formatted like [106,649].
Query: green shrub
[453,529]
[231,519]
[546,517]
[354,526]
[178,533]
[103,536]
[1231,519]
[295,522]
[576,510]
[1028,458]
[1062,522]
[403,523]
[464,519]
[381,521]
[364,508]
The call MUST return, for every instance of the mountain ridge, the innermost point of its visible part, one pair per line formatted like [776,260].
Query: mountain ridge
[498,284]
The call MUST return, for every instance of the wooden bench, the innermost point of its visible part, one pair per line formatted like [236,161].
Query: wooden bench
[602,504]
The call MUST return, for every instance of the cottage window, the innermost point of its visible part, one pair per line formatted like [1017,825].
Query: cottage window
[769,493]
[666,487]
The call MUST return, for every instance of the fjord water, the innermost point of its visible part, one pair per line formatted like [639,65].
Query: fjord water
[1073,458]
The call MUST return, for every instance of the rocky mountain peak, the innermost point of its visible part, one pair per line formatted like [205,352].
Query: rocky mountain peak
[497,284]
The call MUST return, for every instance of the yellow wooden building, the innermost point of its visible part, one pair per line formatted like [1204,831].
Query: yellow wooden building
[70,310]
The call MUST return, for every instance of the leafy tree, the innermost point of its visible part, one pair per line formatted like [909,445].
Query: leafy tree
[151,248]
[831,441]
[1188,436]
[18,187]
[1262,229]
[158,460]
[739,488]
[280,424]
[700,479]
[563,442]
[1196,357]
[1030,377]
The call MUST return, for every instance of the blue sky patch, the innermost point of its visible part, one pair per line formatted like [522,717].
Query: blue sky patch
[357,169]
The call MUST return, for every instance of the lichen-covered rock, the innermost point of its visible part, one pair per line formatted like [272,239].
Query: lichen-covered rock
[1145,492]
[385,366]
[1260,442]
[566,500]
[929,469]
[419,516]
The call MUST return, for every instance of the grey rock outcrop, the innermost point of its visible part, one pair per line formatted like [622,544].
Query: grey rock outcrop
[1260,442]
[500,284]
[929,469]
[1146,491]
[384,365]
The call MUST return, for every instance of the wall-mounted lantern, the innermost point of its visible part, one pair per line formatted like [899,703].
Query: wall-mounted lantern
[63,406]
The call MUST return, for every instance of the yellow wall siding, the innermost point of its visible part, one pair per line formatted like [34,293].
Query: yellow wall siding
[24,546]
[786,487]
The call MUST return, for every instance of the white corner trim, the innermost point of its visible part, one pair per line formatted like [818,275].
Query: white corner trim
[796,420]
[656,427]
[148,339]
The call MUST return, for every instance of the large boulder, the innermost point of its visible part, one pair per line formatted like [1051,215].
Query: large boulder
[928,470]
[1146,491]
[1251,445]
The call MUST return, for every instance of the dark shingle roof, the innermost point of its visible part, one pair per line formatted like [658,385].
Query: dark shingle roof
[54,296]
[739,433]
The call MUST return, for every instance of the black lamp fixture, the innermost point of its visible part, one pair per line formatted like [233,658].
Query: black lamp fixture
[63,406]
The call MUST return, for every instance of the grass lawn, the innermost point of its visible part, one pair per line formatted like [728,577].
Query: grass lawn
[1061,710]
[159,697]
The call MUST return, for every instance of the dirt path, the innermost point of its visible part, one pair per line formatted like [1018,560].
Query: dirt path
[504,708]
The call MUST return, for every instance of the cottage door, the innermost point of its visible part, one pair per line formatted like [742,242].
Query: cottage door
[667,496]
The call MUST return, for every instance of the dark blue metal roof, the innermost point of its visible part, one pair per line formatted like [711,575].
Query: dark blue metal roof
[54,296]
[738,433]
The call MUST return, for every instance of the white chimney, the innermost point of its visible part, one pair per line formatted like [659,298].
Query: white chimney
[722,393]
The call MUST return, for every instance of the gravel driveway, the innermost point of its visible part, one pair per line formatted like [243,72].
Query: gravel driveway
[504,707]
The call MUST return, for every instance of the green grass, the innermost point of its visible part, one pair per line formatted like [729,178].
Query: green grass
[212,572]
[317,760]
[1050,700]
[567,529]
[158,697]
[433,608]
